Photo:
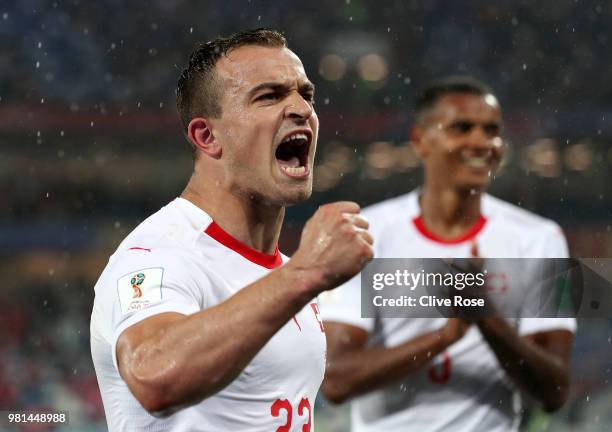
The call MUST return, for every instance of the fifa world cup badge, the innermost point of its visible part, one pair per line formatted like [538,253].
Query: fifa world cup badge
[140,289]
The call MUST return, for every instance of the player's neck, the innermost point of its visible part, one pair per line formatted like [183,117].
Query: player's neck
[449,212]
[255,224]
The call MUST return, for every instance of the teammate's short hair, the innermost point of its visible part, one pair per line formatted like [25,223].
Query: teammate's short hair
[199,89]
[434,90]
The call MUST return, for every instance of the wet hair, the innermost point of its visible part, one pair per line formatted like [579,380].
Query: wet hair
[199,88]
[436,89]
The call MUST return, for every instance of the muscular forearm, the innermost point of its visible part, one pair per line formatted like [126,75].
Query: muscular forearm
[195,357]
[540,373]
[351,373]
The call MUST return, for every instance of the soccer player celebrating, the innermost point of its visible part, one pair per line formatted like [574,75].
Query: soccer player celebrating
[199,323]
[438,374]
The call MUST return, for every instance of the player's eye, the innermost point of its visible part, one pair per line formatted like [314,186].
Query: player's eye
[461,127]
[267,96]
[492,129]
[309,97]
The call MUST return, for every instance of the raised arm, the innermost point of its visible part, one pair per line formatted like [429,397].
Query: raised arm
[170,360]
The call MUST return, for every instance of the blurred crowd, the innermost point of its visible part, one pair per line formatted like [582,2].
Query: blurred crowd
[549,53]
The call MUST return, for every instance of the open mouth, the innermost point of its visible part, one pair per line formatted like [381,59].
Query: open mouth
[292,154]
[484,160]
[477,162]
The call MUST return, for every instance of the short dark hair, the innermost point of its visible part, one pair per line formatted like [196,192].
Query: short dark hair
[199,90]
[434,90]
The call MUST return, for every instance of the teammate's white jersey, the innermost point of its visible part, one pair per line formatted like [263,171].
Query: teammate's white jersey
[464,389]
[179,260]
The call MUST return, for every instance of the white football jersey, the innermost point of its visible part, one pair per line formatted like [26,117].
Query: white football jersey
[180,260]
[464,389]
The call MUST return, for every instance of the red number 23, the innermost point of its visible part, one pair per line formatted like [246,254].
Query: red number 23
[284,404]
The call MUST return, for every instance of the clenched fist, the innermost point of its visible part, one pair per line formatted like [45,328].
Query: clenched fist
[335,244]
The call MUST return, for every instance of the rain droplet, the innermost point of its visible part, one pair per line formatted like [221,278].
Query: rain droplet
[62,133]
[190,29]
[91,124]
[258,17]
[5,15]
[42,100]
[326,101]
[39,45]
[37,64]
[524,66]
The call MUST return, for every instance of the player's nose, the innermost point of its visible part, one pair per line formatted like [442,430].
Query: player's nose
[478,138]
[298,107]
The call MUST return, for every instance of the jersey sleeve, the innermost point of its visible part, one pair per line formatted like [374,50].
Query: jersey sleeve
[554,245]
[343,305]
[138,284]
[553,242]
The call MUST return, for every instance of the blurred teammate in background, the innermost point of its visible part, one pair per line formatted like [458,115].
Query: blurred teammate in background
[197,325]
[439,374]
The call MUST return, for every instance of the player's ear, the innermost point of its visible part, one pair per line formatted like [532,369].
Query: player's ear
[200,134]
[416,140]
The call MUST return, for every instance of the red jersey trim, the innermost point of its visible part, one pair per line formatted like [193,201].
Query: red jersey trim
[253,255]
[140,248]
[470,234]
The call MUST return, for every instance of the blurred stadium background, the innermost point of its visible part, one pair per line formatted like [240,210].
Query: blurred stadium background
[91,144]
